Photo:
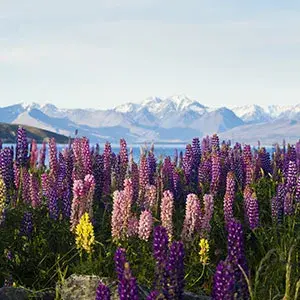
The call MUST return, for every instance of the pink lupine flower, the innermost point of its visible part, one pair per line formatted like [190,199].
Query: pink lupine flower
[150,197]
[208,213]
[167,207]
[145,225]
[143,175]
[133,226]
[33,154]
[192,217]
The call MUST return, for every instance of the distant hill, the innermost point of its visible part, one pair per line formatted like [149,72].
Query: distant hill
[8,134]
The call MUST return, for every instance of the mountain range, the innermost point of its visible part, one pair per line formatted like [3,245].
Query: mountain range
[173,119]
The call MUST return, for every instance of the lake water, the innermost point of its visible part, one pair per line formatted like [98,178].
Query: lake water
[160,150]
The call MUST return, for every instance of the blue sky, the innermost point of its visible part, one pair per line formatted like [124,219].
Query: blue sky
[101,54]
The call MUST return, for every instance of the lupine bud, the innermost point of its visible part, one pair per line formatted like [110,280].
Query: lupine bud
[192,217]
[229,197]
[167,206]
[145,225]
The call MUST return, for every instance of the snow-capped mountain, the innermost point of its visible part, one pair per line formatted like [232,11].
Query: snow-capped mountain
[172,119]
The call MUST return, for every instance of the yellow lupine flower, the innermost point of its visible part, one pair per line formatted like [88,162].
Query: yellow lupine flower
[204,251]
[85,238]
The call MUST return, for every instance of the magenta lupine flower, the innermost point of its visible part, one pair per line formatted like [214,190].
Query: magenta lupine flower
[102,292]
[192,217]
[21,147]
[223,281]
[27,225]
[25,185]
[150,197]
[89,188]
[208,213]
[229,197]
[34,191]
[188,164]
[107,168]
[33,154]
[174,282]
[143,175]
[86,156]
[247,161]
[215,172]
[42,156]
[252,211]
[53,164]
[167,207]
[145,225]
[78,194]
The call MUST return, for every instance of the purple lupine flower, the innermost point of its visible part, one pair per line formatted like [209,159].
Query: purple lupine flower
[208,213]
[34,191]
[238,164]
[235,241]
[21,147]
[98,175]
[127,288]
[154,295]
[280,195]
[274,209]
[229,197]
[27,225]
[196,150]
[215,172]
[53,164]
[152,166]
[16,171]
[120,260]
[61,174]
[192,217]
[174,282]
[223,281]
[102,292]
[42,156]
[167,174]
[50,192]
[33,154]
[6,169]
[160,253]
[107,168]
[252,211]
[290,155]
[297,193]
[291,178]
[188,164]
[204,172]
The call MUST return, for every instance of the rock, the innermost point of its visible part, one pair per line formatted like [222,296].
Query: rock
[84,287]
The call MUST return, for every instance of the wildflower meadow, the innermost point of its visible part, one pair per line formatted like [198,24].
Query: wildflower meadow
[216,220]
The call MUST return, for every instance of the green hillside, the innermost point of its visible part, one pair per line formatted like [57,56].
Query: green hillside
[8,134]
